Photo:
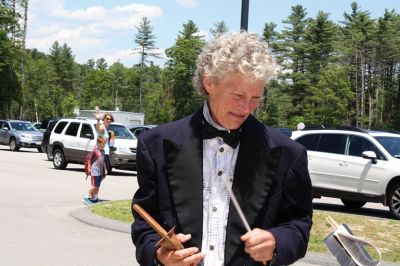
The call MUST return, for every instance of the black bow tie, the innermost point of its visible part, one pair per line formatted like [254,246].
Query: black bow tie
[231,138]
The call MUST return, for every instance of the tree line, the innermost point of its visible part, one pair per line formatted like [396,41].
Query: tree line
[331,73]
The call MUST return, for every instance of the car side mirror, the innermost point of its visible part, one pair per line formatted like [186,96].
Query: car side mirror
[370,155]
[89,136]
[5,128]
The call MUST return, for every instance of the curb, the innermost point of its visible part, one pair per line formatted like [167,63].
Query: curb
[84,215]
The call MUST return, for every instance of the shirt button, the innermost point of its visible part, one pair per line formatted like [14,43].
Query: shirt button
[219,173]
[221,149]
[214,209]
[230,179]
[211,247]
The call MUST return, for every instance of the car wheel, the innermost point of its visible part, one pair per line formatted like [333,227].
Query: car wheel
[13,145]
[109,171]
[39,150]
[353,204]
[394,200]
[59,159]
[49,155]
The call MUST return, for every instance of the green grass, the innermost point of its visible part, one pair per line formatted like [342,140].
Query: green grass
[118,210]
[383,233]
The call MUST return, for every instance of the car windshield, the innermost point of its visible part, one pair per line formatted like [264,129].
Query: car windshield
[391,144]
[22,126]
[121,132]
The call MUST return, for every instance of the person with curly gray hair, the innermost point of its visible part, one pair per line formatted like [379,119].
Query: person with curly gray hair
[188,171]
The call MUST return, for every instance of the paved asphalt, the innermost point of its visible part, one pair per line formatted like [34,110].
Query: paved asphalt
[43,221]
[84,215]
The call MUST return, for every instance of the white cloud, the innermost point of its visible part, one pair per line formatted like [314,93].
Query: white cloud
[187,3]
[128,57]
[90,13]
[123,56]
[88,31]
[201,33]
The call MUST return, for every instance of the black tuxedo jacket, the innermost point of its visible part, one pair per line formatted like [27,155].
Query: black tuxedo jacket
[271,183]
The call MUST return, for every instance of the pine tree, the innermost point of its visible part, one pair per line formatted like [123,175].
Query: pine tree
[145,40]
[358,33]
[292,57]
[219,28]
[180,70]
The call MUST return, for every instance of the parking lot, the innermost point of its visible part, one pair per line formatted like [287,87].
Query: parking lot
[35,202]
[37,228]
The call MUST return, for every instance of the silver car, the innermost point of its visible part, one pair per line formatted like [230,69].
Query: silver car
[20,134]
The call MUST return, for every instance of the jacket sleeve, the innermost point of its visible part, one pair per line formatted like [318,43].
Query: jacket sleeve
[294,217]
[143,236]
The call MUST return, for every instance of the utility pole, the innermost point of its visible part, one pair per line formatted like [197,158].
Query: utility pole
[244,22]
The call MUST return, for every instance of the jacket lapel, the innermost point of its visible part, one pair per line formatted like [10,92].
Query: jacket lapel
[254,173]
[184,167]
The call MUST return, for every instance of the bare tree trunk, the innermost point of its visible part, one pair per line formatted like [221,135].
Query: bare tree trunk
[357,92]
[398,90]
[362,103]
[370,112]
[24,4]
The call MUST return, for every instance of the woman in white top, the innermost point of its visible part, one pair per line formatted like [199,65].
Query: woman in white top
[102,131]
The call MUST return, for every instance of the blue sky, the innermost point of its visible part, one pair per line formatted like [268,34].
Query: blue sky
[106,28]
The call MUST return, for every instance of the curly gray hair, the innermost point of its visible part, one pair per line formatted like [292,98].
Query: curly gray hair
[241,52]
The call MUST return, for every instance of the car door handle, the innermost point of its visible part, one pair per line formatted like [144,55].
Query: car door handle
[343,164]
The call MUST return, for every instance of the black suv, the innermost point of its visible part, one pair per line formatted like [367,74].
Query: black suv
[48,125]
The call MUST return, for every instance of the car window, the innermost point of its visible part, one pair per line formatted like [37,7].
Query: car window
[37,126]
[86,132]
[391,144]
[121,132]
[51,125]
[332,143]
[358,144]
[138,131]
[60,127]
[6,126]
[22,126]
[309,141]
[72,129]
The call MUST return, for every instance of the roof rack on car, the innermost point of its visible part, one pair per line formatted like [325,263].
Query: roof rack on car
[326,127]
[82,118]
[386,130]
[351,128]
[313,127]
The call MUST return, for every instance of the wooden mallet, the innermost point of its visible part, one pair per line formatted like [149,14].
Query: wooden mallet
[168,239]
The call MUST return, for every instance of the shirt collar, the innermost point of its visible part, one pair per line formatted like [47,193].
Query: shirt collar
[207,117]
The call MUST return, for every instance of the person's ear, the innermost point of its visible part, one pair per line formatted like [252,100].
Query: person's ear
[207,83]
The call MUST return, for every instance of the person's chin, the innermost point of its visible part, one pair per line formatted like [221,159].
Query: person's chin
[233,125]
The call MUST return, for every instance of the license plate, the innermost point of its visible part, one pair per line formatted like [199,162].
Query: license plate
[38,143]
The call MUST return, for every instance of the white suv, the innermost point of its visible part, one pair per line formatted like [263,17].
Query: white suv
[72,139]
[355,165]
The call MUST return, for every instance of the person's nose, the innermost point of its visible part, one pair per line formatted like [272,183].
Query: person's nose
[247,105]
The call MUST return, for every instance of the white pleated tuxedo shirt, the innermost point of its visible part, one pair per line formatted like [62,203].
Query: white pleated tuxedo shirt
[219,161]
